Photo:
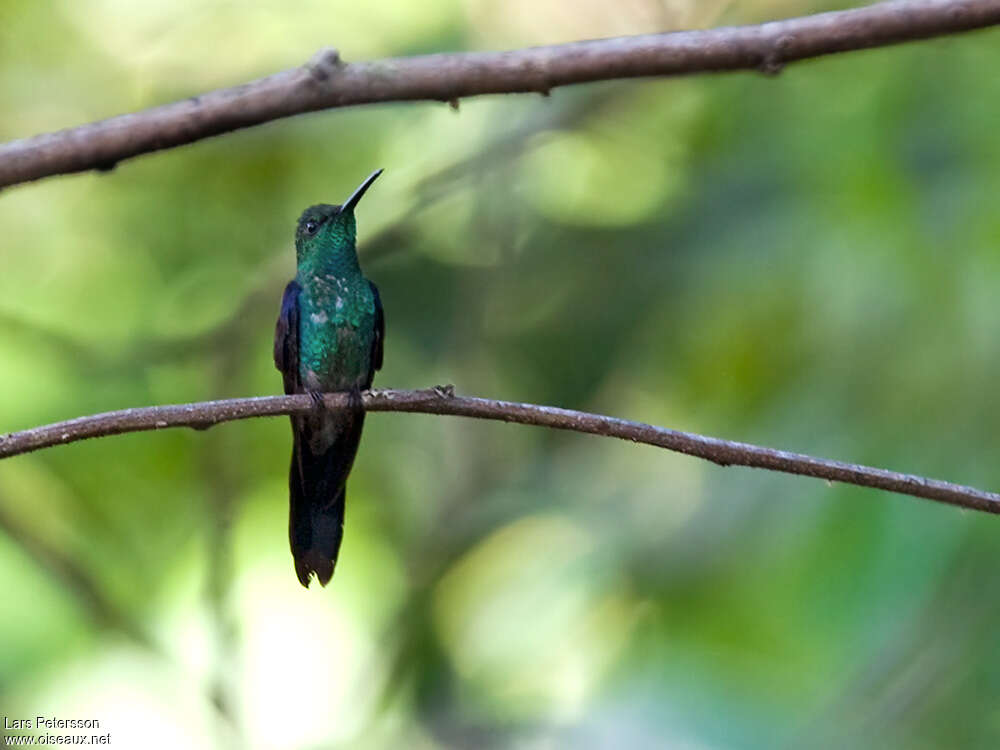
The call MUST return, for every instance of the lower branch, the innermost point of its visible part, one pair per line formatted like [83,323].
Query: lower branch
[442,400]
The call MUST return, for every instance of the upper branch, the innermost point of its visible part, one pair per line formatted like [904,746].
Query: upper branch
[327,82]
[442,400]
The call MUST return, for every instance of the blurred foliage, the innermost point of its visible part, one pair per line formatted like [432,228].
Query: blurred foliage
[808,262]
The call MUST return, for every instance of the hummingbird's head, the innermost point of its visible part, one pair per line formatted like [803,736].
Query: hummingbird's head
[325,229]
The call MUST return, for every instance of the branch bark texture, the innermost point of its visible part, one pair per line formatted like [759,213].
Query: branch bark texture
[442,400]
[327,82]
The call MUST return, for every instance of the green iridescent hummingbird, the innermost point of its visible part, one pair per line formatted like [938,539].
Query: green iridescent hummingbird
[328,338]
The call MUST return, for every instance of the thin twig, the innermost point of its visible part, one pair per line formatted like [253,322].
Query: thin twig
[327,82]
[442,400]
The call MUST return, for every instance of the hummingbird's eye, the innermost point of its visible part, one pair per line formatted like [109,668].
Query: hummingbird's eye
[311,227]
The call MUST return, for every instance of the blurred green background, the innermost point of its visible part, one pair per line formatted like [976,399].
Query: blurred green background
[808,261]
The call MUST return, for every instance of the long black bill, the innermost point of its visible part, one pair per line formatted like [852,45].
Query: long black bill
[351,202]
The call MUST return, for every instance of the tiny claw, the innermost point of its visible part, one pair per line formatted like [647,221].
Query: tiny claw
[444,391]
[354,400]
[317,399]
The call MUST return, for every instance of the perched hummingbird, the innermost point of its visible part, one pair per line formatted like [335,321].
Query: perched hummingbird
[328,338]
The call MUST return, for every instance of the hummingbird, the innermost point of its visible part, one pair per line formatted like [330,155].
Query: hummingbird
[328,337]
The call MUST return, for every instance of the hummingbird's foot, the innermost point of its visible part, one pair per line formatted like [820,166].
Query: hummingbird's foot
[354,401]
[317,399]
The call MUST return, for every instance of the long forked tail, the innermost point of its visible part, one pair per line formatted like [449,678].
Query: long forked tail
[316,513]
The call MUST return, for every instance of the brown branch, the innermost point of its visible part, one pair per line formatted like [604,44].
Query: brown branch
[326,81]
[442,400]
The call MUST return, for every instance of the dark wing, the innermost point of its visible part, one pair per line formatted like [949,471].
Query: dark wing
[377,344]
[286,339]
